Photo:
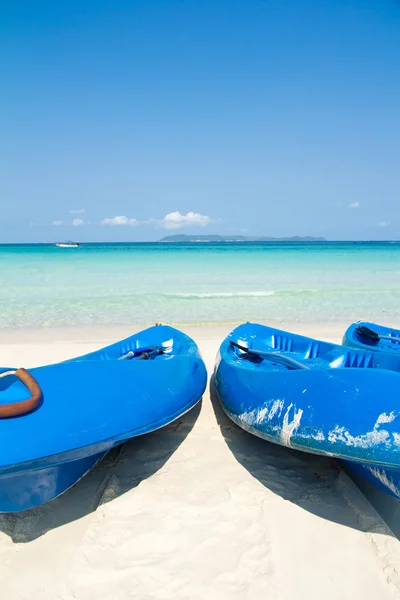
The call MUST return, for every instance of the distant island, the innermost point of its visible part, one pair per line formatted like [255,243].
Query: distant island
[238,238]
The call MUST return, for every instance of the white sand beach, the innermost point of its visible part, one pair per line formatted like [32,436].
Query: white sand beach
[197,510]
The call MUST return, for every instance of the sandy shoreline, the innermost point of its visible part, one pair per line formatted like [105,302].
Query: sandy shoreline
[34,347]
[199,509]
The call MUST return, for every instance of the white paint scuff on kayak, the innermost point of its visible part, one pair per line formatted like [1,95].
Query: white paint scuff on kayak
[276,406]
[273,409]
[258,415]
[383,478]
[288,428]
[385,418]
[369,439]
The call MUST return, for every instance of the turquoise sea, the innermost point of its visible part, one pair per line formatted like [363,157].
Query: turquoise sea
[123,284]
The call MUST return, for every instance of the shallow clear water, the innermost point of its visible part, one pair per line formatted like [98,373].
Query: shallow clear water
[198,283]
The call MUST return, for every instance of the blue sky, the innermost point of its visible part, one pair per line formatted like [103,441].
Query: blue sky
[136,119]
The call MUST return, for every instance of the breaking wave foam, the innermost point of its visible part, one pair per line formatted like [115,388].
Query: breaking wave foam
[240,294]
[201,295]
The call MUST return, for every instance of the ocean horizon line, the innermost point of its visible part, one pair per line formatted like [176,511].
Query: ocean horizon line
[195,242]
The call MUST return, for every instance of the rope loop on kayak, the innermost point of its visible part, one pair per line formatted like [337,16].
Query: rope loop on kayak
[6,373]
[25,406]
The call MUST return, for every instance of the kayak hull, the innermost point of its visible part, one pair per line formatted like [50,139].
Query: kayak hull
[334,408]
[30,489]
[90,405]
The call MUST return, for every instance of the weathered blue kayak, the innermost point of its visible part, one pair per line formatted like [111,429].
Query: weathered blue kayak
[369,336]
[316,397]
[68,415]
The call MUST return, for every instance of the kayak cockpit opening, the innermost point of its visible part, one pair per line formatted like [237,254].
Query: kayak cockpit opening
[313,354]
[148,352]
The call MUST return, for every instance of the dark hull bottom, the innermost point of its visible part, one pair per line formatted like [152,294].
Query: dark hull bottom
[29,489]
[387,480]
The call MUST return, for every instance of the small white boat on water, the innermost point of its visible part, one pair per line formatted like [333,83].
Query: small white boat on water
[67,244]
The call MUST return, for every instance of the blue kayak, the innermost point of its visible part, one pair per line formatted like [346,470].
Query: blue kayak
[316,397]
[68,415]
[369,336]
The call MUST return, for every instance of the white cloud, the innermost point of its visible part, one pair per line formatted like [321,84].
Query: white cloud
[383,224]
[173,220]
[120,220]
[57,223]
[78,222]
[79,211]
[176,220]
[354,205]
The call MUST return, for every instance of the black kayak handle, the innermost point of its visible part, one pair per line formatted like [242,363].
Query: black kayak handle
[366,332]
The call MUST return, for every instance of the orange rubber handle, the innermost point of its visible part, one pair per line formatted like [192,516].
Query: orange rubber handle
[20,408]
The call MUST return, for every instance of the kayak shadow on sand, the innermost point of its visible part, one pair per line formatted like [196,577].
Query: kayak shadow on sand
[122,469]
[315,483]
